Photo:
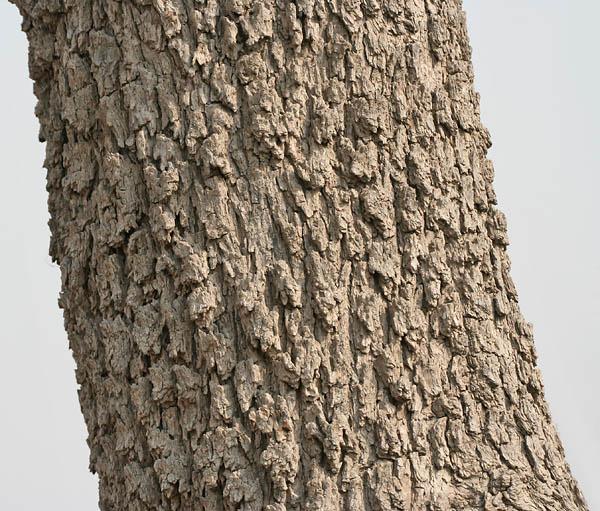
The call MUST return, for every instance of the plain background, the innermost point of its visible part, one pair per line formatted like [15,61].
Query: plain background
[536,63]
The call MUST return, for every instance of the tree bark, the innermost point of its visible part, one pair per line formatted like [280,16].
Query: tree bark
[285,280]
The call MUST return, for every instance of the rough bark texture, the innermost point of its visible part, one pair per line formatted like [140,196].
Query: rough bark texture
[285,280]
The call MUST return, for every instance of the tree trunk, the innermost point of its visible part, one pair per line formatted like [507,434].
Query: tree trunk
[285,280]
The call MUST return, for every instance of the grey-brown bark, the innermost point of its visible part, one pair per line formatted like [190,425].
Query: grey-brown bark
[285,280]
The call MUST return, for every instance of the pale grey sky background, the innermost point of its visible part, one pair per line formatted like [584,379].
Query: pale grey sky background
[536,63]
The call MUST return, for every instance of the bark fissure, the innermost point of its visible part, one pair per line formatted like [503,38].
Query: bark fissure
[285,278]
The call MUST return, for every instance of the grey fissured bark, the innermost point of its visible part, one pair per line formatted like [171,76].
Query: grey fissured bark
[285,279]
